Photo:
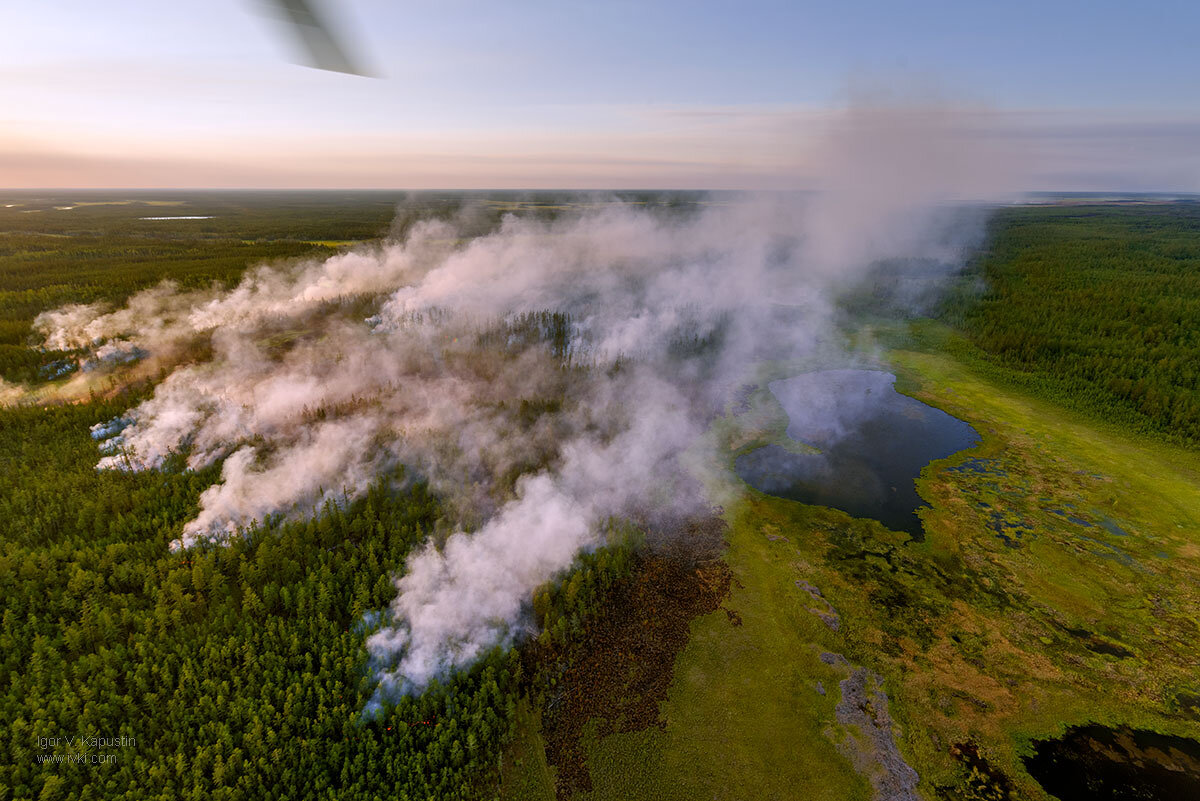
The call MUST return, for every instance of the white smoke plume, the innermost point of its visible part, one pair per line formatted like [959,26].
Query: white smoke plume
[432,351]
[457,602]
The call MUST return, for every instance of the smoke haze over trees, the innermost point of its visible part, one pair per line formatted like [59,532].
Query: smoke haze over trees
[544,376]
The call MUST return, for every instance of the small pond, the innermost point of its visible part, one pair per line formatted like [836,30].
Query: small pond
[873,444]
[1097,762]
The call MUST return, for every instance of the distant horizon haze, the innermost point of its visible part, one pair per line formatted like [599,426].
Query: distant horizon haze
[540,94]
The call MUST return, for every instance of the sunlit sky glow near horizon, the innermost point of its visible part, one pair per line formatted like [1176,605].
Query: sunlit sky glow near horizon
[534,93]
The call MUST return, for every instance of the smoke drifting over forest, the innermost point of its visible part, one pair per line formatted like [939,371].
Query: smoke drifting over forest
[543,376]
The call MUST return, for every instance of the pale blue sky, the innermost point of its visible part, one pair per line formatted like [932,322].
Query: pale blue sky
[536,93]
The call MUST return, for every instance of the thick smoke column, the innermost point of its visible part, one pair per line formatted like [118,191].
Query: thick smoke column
[544,376]
[457,602]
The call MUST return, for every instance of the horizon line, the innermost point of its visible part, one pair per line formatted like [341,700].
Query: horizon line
[377,190]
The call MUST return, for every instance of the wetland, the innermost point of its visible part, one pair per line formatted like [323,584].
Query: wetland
[857,445]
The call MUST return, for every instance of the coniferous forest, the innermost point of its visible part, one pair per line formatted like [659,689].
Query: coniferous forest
[1095,307]
[236,671]
[233,671]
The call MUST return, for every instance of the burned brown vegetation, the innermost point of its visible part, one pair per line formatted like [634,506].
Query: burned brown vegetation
[618,670]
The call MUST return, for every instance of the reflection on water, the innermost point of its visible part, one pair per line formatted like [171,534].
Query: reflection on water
[873,442]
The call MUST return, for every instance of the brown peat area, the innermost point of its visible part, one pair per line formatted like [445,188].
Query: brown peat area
[621,669]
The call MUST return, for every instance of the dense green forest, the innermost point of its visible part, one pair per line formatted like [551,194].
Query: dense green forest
[1095,307]
[236,671]
[239,671]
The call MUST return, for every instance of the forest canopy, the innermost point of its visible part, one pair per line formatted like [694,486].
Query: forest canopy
[1094,307]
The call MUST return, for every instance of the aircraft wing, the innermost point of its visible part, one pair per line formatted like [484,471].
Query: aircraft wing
[316,38]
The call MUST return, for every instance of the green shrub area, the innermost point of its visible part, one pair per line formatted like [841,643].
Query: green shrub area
[1096,307]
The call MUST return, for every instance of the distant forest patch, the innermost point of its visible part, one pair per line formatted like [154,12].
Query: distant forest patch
[1096,307]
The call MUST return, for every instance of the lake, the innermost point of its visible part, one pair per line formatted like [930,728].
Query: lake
[873,444]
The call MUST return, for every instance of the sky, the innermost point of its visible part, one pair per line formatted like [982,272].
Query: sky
[1097,95]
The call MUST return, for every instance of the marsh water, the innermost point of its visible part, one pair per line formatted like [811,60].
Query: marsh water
[1097,762]
[873,443]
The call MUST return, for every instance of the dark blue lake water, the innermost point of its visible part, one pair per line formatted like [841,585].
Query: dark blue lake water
[873,444]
